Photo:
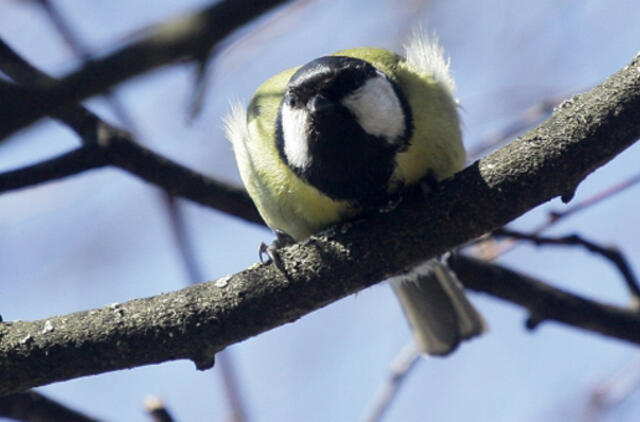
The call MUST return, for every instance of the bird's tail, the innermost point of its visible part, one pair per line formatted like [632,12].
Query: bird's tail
[438,311]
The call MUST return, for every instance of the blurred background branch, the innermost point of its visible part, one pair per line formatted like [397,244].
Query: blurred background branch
[400,367]
[188,37]
[31,406]
[76,44]
[105,145]
[546,303]
[609,253]
[156,410]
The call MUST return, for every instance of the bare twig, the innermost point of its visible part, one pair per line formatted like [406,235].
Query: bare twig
[63,27]
[201,84]
[545,302]
[178,227]
[607,193]
[612,254]
[555,216]
[185,38]
[78,47]
[32,406]
[612,391]
[401,365]
[157,410]
[528,118]
[278,23]
[205,64]
[231,387]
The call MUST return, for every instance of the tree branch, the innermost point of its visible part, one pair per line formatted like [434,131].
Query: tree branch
[191,36]
[401,365]
[498,249]
[32,406]
[76,44]
[69,163]
[105,145]
[611,254]
[545,302]
[114,147]
[196,322]
[532,115]
[156,410]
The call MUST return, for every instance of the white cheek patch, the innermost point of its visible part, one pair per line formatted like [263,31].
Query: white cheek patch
[296,148]
[378,109]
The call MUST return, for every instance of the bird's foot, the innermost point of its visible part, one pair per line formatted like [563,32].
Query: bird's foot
[430,183]
[271,251]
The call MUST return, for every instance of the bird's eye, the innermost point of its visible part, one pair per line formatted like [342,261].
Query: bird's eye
[291,100]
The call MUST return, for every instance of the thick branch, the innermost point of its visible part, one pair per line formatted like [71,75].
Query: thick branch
[191,36]
[196,322]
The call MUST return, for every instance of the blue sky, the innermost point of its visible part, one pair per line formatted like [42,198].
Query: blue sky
[104,236]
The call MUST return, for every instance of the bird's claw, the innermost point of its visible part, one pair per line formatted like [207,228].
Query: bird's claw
[271,251]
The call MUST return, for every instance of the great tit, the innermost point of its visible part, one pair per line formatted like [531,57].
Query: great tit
[350,132]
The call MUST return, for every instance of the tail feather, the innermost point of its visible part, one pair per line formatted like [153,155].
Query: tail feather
[437,308]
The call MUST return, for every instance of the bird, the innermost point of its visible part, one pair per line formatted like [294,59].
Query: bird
[351,132]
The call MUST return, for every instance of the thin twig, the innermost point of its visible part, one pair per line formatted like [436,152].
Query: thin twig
[278,23]
[555,216]
[400,367]
[201,84]
[80,49]
[225,364]
[612,254]
[612,391]
[607,193]
[31,406]
[156,410]
[63,27]
[543,301]
[177,223]
[527,118]
[205,63]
